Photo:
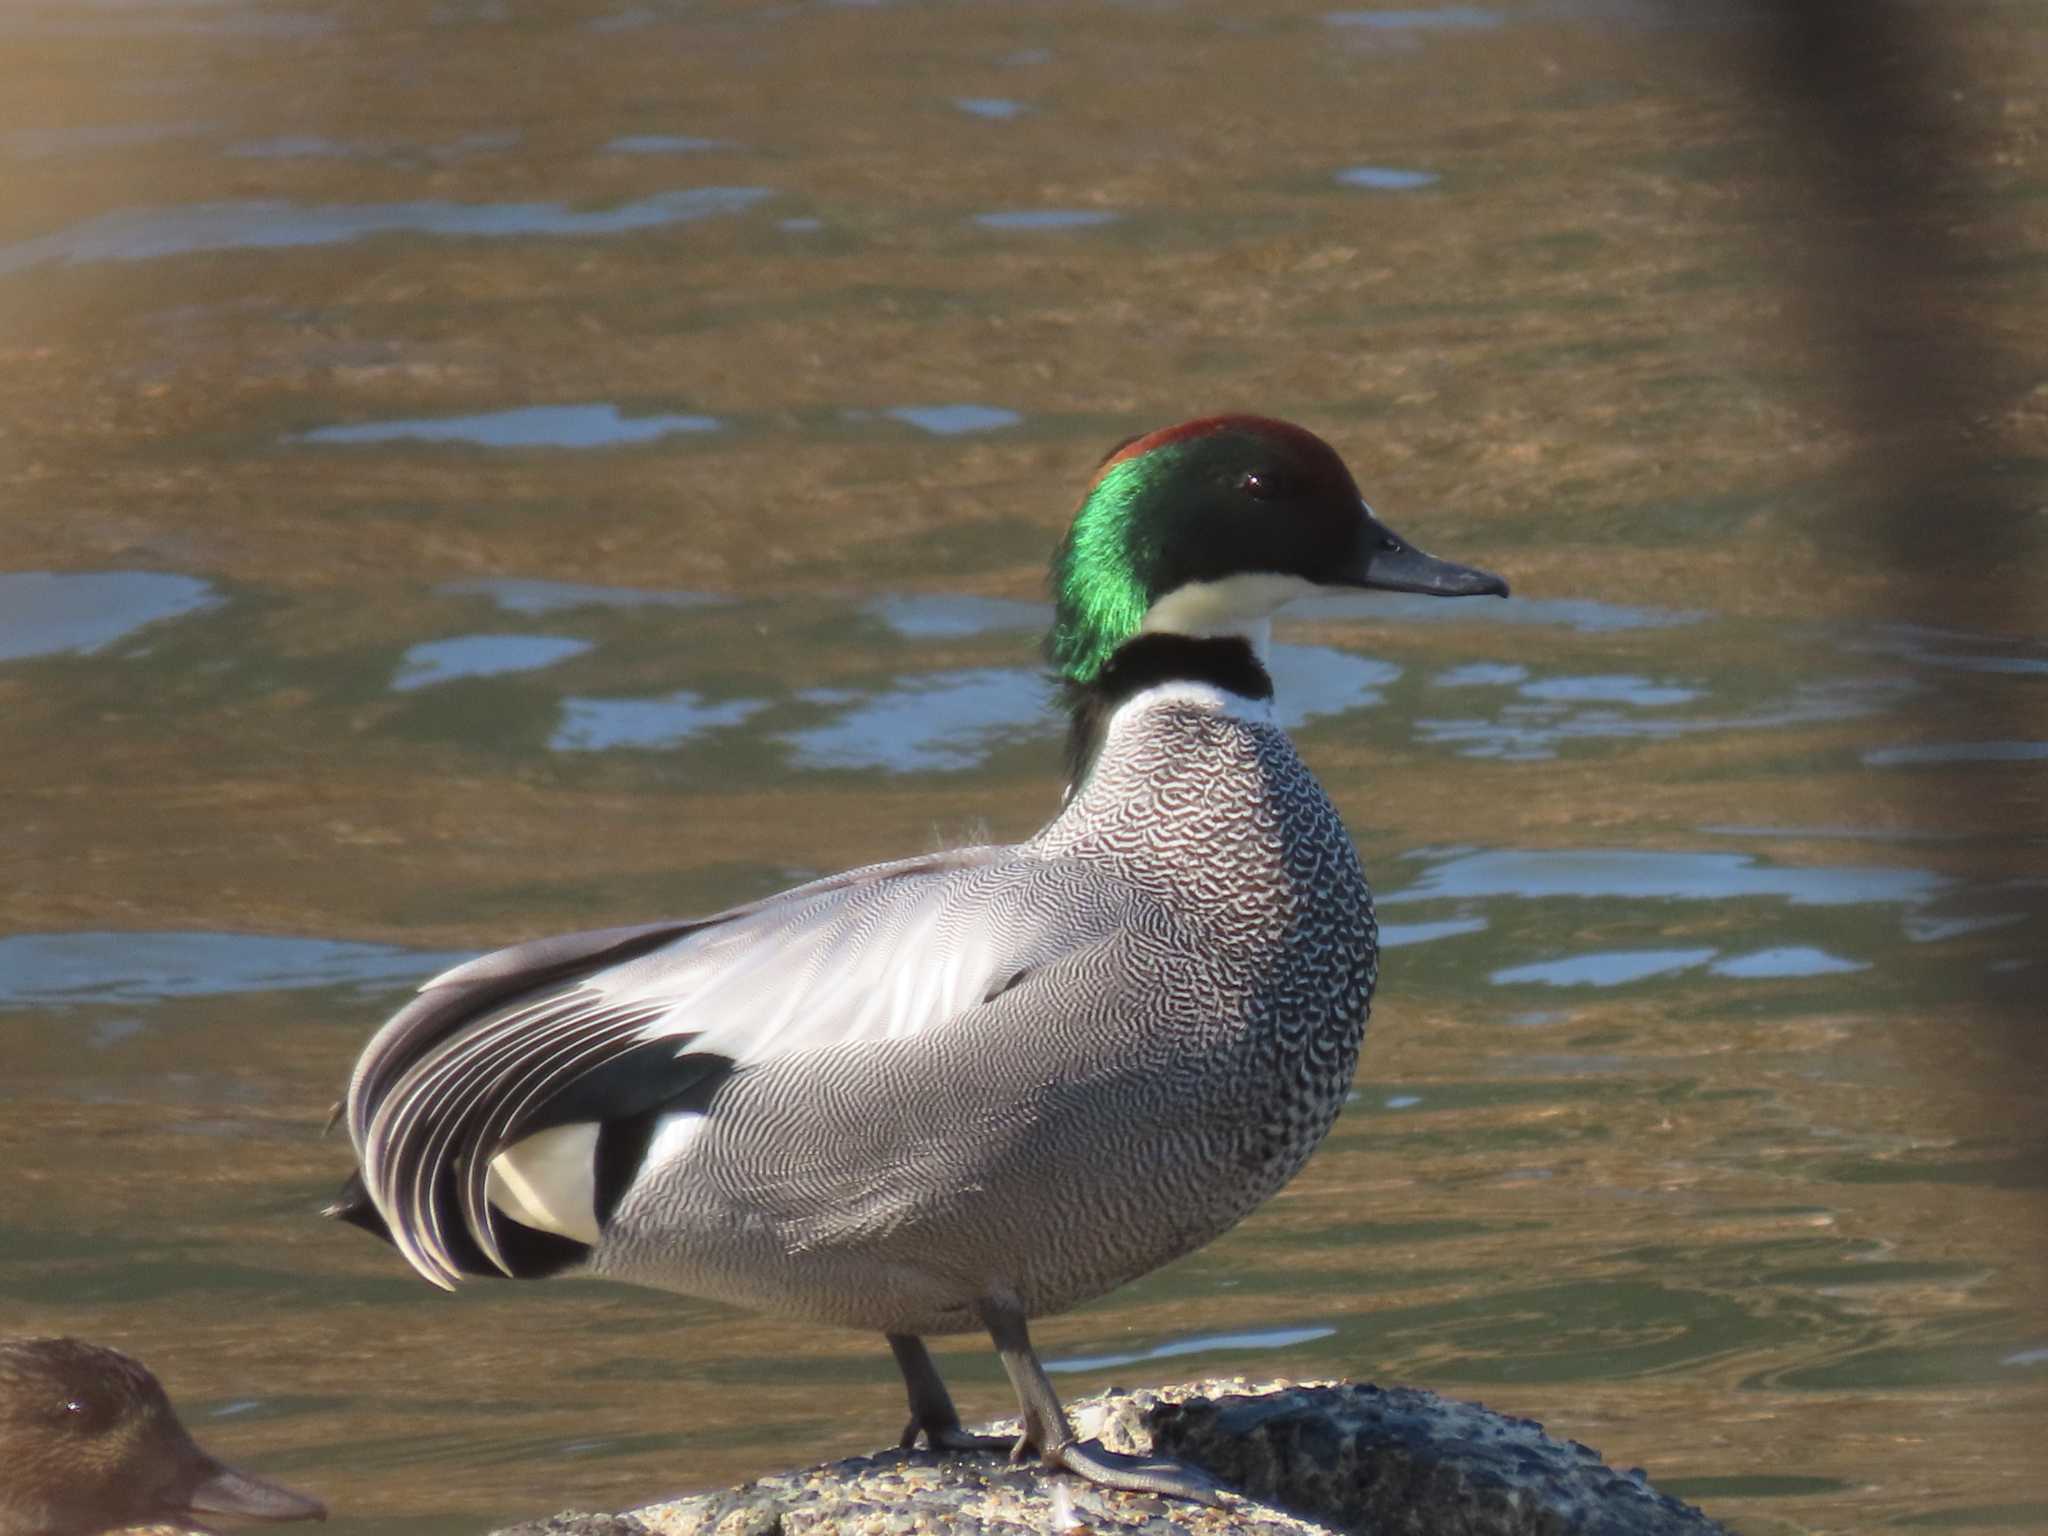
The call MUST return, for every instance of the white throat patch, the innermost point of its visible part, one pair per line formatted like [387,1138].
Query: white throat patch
[1241,605]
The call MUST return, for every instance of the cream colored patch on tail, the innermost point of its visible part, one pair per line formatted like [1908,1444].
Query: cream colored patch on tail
[549,1181]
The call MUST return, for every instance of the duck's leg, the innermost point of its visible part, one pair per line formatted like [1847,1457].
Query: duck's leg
[1046,1429]
[931,1406]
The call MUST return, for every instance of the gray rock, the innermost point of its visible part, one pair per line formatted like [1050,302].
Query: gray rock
[1309,1460]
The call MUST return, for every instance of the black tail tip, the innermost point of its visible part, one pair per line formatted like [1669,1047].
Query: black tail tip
[354,1206]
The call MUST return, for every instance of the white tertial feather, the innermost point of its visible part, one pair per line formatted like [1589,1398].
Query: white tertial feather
[548,1181]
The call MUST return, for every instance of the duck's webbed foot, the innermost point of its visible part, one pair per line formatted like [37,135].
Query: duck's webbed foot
[1133,1474]
[932,1416]
[1047,1432]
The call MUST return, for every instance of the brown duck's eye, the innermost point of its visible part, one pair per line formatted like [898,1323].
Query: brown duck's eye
[80,1413]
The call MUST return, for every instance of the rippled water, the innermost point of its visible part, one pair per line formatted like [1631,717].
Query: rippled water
[453,500]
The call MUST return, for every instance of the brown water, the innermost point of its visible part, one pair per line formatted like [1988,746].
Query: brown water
[475,468]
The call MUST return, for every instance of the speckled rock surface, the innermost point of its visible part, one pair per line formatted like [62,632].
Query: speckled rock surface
[1307,1459]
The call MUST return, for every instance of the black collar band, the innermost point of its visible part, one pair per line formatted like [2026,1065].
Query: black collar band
[1150,661]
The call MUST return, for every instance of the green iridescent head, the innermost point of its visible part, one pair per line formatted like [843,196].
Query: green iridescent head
[1183,512]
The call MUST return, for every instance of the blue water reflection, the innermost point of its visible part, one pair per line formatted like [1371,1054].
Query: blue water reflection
[1958,752]
[1547,714]
[1612,688]
[953,420]
[1585,615]
[1261,1338]
[1603,968]
[1447,18]
[1399,935]
[662,144]
[1384,178]
[598,725]
[52,613]
[1633,875]
[1786,960]
[1046,218]
[940,722]
[1956,650]
[292,146]
[59,969]
[1312,681]
[144,234]
[1923,929]
[995,108]
[533,595]
[949,616]
[952,721]
[441,661]
[533,426]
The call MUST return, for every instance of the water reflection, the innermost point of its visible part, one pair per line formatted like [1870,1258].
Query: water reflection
[51,613]
[534,595]
[441,661]
[1608,968]
[1639,875]
[291,146]
[1786,960]
[1544,717]
[1210,1343]
[1584,615]
[995,108]
[599,725]
[1312,681]
[1384,178]
[1399,935]
[145,234]
[1612,688]
[1046,218]
[945,616]
[1446,18]
[955,720]
[70,969]
[313,146]
[941,722]
[533,426]
[1957,650]
[953,420]
[1958,752]
[662,144]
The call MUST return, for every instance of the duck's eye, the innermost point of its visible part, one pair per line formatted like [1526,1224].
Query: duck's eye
[79,1413]
[1262,485]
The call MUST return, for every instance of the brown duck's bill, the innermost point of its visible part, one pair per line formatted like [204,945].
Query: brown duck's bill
[224,1491]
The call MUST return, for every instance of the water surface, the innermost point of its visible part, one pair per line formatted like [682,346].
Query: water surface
[455,501]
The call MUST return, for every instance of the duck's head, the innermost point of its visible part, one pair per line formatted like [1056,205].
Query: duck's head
[91,1444]
[1207,528]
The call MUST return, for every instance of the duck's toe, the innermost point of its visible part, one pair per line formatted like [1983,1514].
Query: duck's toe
[1134,1474]
[949,1438]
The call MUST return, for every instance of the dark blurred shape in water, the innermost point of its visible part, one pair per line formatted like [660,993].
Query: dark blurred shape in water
[1884,212]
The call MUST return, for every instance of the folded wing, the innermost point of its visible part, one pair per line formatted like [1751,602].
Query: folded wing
[526,1081]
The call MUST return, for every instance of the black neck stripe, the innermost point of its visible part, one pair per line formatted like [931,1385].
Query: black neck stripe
[1152,659]
[1148,661]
